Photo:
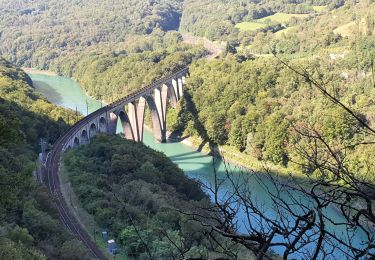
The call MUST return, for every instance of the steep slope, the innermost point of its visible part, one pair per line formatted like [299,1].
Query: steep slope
[29,225]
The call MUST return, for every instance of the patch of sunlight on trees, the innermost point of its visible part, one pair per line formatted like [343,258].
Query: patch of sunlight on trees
[351,28]
[284,31]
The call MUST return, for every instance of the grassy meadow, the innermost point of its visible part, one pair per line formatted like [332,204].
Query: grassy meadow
[281,17]
[263,22]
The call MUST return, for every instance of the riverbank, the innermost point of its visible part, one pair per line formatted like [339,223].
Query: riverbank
[195,165]
[37,71]
[246,161]
[229,154]
[53,74]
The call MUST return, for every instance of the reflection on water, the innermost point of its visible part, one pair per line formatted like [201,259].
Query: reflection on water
[64,92]
[67,93]
[50,93]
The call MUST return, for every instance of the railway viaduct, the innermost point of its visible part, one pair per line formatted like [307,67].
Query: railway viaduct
[130,110]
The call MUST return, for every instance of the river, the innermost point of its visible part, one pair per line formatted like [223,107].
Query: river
[65,92]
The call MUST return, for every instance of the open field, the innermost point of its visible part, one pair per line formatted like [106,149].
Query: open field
[281,17]
[320,8]
[262,23]
[250,26]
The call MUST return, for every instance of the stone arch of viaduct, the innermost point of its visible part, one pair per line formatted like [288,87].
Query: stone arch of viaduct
[130,111]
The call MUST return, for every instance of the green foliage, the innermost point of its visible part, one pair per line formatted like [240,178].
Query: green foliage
[317,33]
[58,40]
[18,100]
[219,20]
[138,194]
[13,250]
[21,235]
[244,100]
[271,137]
[215,126]
[58,28]
[73,249]
[255,105]
[363,55]
[29,225]
[113,76]
[340,125]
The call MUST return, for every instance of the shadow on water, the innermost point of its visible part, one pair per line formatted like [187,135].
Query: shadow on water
[192,111]
[200,147]
[174,137]
[185,155]
[188,157]
[196,165]
[49,92]
[193,163]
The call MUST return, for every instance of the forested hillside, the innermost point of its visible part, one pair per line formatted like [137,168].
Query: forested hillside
[216,20]
[144,200]
[254,102]
[29,224]
[254,106]
[113,75]
[319,34]
[33,33]
[293,90]
[246,99]
[110,49]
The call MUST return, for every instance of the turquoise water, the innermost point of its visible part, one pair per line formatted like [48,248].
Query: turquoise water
[67,93]
[64,92]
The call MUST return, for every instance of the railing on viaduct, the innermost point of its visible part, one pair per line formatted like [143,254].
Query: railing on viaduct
[130,110]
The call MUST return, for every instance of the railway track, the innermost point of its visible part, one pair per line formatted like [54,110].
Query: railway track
[52,171]
[66,216]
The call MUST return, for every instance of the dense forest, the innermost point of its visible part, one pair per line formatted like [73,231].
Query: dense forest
[29,224]
[246,99]
[111,76]
[35,32]
[140,196]
[253,105]
[222,16]
[291,71]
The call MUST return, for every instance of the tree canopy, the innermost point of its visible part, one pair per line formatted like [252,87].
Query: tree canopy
[29,222]
[142,198]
